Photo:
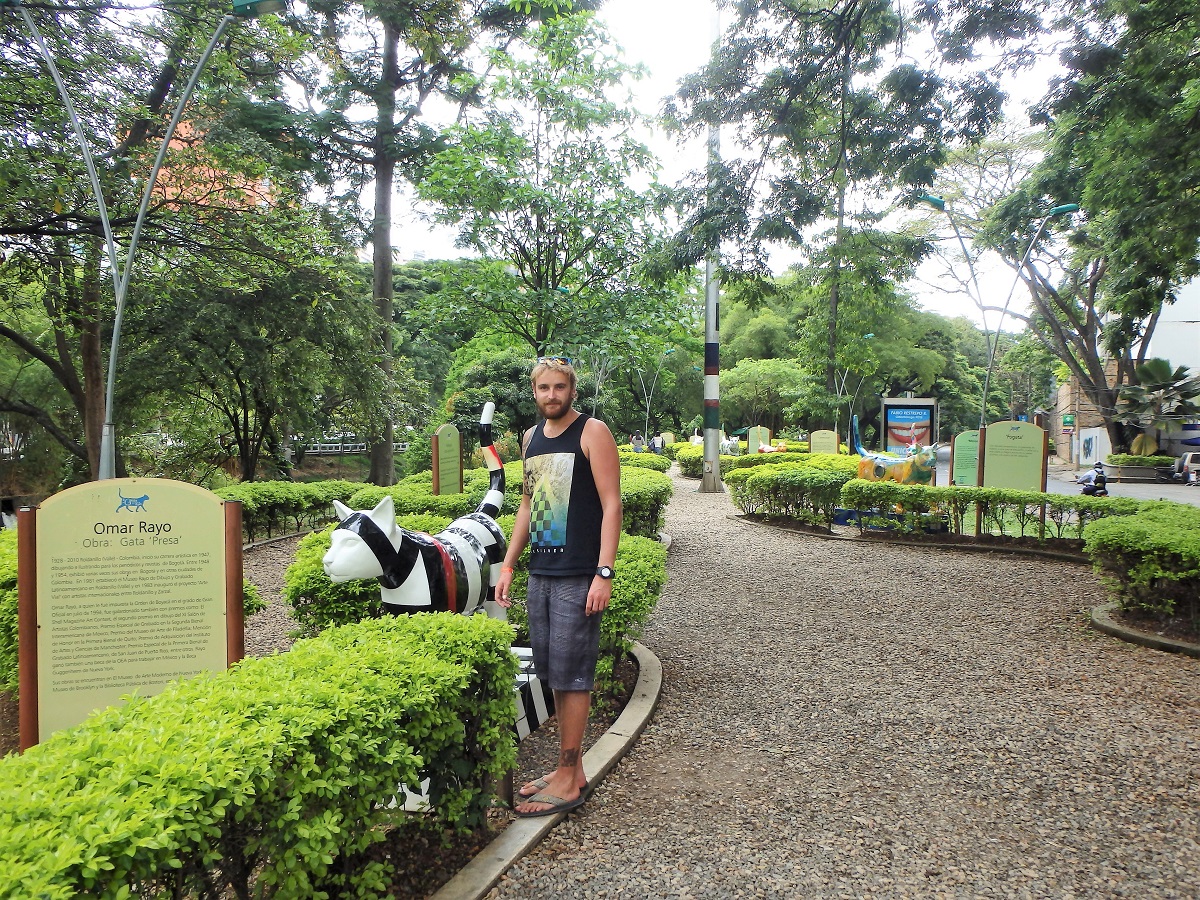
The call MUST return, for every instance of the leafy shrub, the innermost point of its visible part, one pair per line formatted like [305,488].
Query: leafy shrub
[644,497]
[644,460]
[272,779]
[8,610]
[1150,561]
[793,490]
[269,507]
[1127,459]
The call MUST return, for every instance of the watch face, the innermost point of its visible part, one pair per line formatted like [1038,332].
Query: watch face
[604,572]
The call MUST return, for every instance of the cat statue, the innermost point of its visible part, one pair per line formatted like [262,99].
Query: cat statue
[456,569]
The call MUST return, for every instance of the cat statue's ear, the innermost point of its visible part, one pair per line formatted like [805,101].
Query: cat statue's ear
[384,514]
[343,511]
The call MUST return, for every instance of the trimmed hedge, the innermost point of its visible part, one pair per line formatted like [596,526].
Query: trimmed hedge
[644,498]
[1150,561]
[1003,511]
[275,506]
[793,490]
[644,460]
[273,779]
[1128,459]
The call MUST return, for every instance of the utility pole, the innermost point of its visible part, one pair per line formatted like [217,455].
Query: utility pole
[710,481]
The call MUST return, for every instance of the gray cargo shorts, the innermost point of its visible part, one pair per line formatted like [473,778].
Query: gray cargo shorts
[565,641]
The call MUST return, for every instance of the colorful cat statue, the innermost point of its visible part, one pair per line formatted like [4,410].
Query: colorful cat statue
[454,570]
[915,469]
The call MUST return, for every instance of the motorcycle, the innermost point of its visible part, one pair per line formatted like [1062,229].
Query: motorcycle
[1096,486]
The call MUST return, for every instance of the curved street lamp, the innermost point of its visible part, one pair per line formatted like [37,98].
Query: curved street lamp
[1050,214]
[121,275]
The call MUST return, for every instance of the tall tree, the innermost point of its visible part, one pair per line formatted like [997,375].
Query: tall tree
[376,66]
[826,114]
[545,180]
[125,79]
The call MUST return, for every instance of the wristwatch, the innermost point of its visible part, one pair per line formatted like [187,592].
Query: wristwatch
[604,571]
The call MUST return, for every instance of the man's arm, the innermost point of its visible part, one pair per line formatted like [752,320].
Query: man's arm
[601,450]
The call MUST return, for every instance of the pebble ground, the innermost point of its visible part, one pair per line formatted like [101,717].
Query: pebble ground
[845,719]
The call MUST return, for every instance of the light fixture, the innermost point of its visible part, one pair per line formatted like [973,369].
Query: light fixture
[250,9]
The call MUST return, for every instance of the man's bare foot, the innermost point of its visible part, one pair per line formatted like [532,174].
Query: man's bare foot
[529,788]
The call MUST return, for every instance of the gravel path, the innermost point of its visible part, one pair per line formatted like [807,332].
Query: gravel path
[842,719]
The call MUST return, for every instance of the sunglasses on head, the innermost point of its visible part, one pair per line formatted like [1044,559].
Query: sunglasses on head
[554,360]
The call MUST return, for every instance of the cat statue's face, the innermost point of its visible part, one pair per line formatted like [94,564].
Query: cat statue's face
[349,557]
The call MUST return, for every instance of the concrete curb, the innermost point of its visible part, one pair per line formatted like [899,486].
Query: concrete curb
[1101,621]
[478,877]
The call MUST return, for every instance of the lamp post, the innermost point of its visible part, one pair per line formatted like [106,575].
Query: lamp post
[649,394]
[987,375]
[121,275]
[837,410]
[940,204]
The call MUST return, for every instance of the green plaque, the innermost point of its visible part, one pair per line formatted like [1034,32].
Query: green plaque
[824,441]
[1068,419]
[447,460]
[131,593]
[964,459]
[1014,456]
[758,436]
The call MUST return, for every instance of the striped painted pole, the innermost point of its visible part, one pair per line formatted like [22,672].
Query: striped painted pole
[710,481]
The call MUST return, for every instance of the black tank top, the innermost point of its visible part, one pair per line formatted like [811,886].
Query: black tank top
[564,506]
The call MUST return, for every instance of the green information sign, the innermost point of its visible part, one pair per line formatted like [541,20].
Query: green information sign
[1014,456]
[758,436]
[131,593]
[1068,419]
[964,459]
[447,460]
[823,442]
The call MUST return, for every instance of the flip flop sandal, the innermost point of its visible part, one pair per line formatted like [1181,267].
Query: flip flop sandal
[557,805]
[539,785]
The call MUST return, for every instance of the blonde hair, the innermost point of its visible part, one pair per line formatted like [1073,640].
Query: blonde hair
[552,364]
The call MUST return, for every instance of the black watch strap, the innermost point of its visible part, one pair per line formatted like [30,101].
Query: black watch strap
[604,571]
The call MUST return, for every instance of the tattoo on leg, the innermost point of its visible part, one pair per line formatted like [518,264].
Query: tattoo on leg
[567,758]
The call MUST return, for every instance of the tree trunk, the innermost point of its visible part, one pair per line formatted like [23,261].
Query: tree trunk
[383,469]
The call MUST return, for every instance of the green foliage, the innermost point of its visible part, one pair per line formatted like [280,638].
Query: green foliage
[8,610]
[273,779]
[1151,561]
[271,506]
[1001,511]
[644,497]
[792,490]
[545,180]
[1128,459]
[643,460]
[252,601]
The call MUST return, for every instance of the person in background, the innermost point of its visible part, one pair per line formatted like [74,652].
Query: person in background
[637,442]
[570,517]
[657,444]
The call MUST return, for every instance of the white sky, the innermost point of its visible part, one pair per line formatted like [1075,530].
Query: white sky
[673,38]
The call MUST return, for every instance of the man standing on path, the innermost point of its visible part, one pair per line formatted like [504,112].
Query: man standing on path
[570,515]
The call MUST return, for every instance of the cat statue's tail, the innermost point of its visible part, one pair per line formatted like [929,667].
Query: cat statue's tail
[493,502]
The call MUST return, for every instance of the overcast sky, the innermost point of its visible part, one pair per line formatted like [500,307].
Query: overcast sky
[673,38]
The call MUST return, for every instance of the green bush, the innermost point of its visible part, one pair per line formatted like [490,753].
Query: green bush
[414,494]
[1127,459]
[1150,561]
[269,507]
[793,490]
[273,779]
[644,460]
[1001,511]
[644,497]
[8,610]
